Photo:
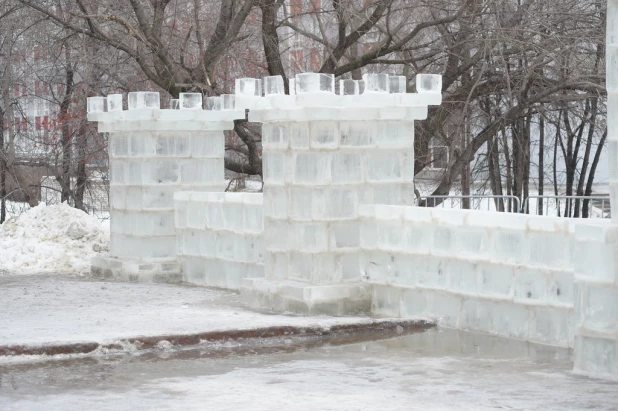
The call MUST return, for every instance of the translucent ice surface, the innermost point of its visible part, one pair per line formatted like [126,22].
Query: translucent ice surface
[273,85]
[174,104]
[190,101]
[376,82]
[97,104]
[348,87]
[315,82]
[251,87]
[397,84]
[214,103]
[144,99]
[228,101]
[612,22]
[428,83]
[292,85]
[611,61]
[114,102]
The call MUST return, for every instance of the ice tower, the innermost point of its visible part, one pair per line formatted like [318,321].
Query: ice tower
[324,154]
[596,250]
[154,153]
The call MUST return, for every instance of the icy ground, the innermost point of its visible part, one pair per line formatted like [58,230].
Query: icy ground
[434,370]
[58,239]
[60,309]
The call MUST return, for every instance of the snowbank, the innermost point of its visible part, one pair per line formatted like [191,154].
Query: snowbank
[57,238]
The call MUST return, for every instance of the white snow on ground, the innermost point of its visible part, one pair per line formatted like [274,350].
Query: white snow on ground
[43,309]
[57,238]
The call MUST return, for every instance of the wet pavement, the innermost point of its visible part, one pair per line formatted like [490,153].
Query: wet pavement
[435,369]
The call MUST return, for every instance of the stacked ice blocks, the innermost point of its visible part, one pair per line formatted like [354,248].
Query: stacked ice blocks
[219,237]
[508,274]
[324,155]
[596,300]
[596,252]
[154,153]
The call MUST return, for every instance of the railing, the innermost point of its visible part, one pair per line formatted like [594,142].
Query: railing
[552,205]
[569,206]
[507,203]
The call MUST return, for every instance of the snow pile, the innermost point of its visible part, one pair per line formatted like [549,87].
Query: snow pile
[57,238]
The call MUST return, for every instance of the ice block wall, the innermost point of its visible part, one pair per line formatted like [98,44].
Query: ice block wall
[596,301]
[154,153]
[219,237]
[596,252]
[612,103]
[324,155]
[502,273]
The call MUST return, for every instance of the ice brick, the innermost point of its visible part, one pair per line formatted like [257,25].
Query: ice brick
[376,83]
[530,285]
[336,203]
[312,168]
[611,62]
[158,197]
[299,135]
[228,101]
[275,202]
[274,167]
[120,145]
[314,83]
[344,235]
[207,145]
[311,237]
[300,203]
[214,103]
[496,280]
[97,104]
[114,102]
[596,356]
[397,84]
[324,135]
[346,168]
[190,101]
[357,134]
[274,135]
[144,99]
[248,87]
[428,83]
[601,308]
[273,85]
[160,171]
[348,87]
[383,166]
[300,266]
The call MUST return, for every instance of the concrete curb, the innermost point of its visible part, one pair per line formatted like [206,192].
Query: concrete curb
[378,327]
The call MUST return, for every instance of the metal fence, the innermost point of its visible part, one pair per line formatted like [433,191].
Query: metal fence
[96,195]
[508,203]
[568,206]
[550,205]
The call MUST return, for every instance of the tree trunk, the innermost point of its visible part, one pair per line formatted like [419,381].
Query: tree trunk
[270,41]
[465,172]
[554,166]
[80,183]
[67,155]
[593,169]
[493,164]
[541,182]
[526,159]
[507,158]
[2,170]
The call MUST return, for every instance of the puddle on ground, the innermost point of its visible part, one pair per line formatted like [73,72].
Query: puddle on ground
[125,371]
